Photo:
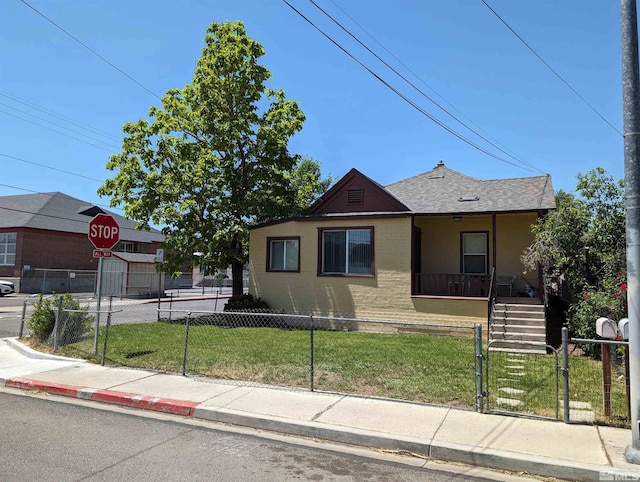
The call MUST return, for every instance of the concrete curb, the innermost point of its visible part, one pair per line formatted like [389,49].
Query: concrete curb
[31,353]
[133,400]
[459,453]
[450,452]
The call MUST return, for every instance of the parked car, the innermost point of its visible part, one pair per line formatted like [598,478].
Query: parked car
[6,287]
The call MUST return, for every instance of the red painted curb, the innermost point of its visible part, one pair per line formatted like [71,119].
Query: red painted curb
[55,388]
[165,405]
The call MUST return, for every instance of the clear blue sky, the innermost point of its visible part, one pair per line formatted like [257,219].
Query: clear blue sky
[456,51]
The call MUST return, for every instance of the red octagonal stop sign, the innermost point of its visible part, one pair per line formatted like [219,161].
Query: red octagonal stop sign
[104,232]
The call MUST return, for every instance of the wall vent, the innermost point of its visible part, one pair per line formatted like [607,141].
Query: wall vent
[354,196]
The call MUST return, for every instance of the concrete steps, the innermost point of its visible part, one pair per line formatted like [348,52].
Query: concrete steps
[518,327]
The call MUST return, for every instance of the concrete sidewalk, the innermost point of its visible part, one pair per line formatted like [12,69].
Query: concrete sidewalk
[544,448]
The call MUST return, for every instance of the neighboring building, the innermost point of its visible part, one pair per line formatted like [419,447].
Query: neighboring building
[48,231]
[422,248]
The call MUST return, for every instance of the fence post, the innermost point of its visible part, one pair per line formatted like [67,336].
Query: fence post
[311,350]
[186,344]
[478,346]
[106,335]
[565,373]
[57,324]
[24,317]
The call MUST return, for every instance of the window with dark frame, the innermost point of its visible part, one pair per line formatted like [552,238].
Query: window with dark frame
[283,254]
[474,253]
[346,251]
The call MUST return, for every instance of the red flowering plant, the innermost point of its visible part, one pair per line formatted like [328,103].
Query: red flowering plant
[609,301]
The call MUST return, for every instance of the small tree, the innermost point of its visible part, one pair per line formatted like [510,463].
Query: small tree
[582,243]
[214,158]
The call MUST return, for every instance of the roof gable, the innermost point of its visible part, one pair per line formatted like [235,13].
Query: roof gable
[356,193]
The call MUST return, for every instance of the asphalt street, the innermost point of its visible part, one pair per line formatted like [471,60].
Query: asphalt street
[46,439]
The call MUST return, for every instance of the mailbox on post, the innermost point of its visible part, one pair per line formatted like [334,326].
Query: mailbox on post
[623,328]
[606,328]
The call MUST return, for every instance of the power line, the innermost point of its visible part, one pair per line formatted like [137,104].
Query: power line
[550,68]
[122,228]
[53,130]
[422,81]
[53,195]
[90,49]
[420,91]
[50,122]
[405,98]
[52,168]
[59,116]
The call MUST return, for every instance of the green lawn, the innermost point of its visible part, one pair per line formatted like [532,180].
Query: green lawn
[415,367]
[423,368]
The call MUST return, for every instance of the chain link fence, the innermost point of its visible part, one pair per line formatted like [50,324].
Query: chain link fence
[609,403]
[390,359]
[442,364]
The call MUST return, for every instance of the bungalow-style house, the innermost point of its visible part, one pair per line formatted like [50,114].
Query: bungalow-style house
[44,243]
[429,248]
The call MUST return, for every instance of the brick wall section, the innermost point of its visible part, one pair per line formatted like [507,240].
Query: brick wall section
[42,249]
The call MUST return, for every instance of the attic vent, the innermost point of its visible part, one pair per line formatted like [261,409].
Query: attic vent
[91,211]
[468,198]
[436,177]
[354,196]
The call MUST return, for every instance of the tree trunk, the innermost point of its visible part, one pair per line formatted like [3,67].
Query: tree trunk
[236,274]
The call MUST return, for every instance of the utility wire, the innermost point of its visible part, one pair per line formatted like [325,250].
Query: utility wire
[50,122]
[550,68]
[420,91]
[122,228]
[51,195]
[422,81]
[52,168]
[59,116]
[405,98]
[53,130]
[91,50]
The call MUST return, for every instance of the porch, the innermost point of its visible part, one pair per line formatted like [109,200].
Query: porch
[452,284]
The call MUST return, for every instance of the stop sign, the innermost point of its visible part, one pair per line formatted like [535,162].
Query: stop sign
[104,232]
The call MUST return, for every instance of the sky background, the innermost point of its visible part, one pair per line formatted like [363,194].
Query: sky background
[62,107]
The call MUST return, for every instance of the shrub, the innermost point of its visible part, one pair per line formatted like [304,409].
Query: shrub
[72,324]
[42,319]
[246,302]
[583,316]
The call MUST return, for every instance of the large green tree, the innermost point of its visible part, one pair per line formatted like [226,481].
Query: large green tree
[214,158]
[581,245]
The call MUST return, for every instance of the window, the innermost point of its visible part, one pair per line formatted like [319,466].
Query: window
[8,249]
[346,251]
[474,253]
[283,254]
[127,247]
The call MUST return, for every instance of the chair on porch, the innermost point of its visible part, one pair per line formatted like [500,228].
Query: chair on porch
[506,280]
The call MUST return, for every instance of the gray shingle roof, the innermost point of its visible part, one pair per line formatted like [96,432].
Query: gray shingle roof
[56,211]
[445,191]
[136,257]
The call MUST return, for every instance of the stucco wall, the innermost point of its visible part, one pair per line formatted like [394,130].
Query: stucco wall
[387,295]
[441,243]
[513,235]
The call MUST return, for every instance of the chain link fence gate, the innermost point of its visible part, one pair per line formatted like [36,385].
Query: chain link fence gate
[523,382]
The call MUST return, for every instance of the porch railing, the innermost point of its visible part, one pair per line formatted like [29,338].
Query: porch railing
[452,284]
